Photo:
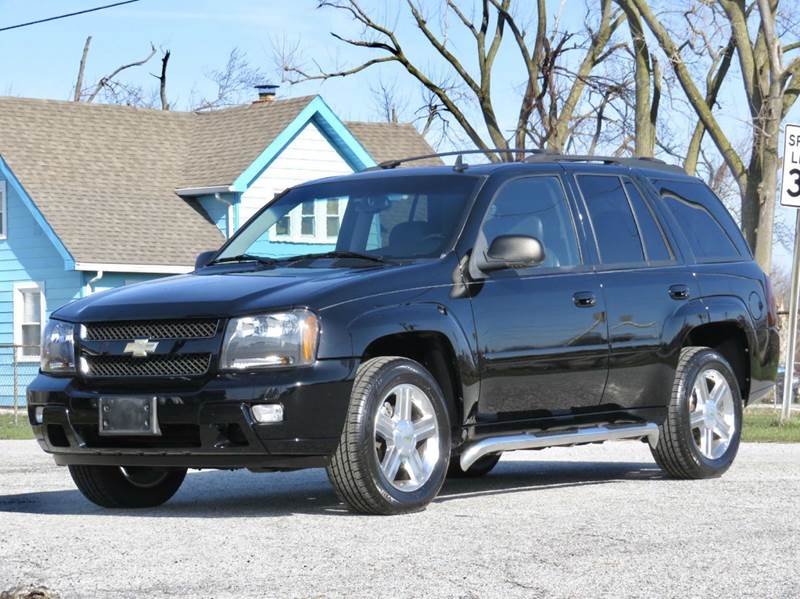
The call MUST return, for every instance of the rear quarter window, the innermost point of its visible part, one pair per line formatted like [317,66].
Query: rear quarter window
[709,228]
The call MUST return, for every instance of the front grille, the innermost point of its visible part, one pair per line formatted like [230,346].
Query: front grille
[154,366]
[152,329]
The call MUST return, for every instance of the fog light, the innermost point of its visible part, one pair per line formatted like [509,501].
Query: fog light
[38,415]
[268,412]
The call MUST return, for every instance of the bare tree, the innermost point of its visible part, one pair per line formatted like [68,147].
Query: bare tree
[388,102]
[770,87]
[162,81]
[81,70]
[108,83]
[233,83]
[553,91]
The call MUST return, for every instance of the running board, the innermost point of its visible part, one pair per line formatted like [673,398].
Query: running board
[595,434]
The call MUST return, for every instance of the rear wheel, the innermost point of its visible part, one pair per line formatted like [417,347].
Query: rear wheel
[127,486]
[483,466]
[700,437]
[393,454]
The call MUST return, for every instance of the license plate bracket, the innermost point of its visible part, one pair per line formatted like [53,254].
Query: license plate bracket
[126,415]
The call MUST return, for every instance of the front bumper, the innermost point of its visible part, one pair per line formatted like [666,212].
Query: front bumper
[206,427]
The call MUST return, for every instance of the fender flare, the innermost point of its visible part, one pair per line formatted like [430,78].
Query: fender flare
[420,318]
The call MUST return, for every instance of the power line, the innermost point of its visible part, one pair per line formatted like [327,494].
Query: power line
[71,14]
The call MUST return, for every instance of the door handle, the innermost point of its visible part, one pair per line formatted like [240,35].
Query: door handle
[679,292]
[584,299]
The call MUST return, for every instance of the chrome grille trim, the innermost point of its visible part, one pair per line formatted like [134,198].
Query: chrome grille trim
[151,329]
[154,366]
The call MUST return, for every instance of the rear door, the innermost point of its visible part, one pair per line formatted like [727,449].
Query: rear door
[644,284]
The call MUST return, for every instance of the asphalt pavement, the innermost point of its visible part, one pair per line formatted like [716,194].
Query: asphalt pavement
[564,522]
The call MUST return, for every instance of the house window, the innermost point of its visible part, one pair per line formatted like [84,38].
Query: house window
[283,228]
[3,210]
[332,218]
[315,221]
[307,219]
[29,310]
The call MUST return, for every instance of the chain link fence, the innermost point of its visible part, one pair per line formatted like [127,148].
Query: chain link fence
[19,365]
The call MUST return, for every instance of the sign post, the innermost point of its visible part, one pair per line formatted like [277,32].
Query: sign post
[790,197]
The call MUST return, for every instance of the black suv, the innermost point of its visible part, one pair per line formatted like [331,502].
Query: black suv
[402,325]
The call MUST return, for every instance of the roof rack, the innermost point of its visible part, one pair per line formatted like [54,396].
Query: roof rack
[539,156]
[390,164]
[636,162]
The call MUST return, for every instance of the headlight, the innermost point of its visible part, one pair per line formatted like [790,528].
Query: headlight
[270,340]
[58,348]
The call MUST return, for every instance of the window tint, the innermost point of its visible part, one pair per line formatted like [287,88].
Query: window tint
[612,220]
[706,223]
[654,242]
[537,207]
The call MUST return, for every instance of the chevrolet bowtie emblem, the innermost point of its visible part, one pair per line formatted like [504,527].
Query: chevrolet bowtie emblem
[140,348]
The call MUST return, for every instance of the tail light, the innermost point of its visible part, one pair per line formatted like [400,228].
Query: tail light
[772,308]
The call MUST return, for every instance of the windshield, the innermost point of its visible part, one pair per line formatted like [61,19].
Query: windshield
[388,217]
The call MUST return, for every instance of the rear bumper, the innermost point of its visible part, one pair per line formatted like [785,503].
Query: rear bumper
[209,427]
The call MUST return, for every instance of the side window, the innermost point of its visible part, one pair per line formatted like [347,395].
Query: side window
[537,207]
[612,220]
[706,223]
[654,241]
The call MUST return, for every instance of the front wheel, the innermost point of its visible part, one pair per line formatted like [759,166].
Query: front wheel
[127,486]
[394,450]
[700,437]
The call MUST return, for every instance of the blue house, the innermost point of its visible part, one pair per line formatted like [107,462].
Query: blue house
[96,196]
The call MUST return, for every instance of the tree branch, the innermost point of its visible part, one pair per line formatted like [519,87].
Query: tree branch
[713,84]
[108,78]
[697,101]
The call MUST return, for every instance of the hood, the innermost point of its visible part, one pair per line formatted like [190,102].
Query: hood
[231,291]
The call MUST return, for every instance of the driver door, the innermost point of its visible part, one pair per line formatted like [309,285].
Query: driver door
[542,331]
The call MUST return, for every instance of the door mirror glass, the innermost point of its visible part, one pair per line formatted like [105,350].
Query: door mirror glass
[512,251]
[203,259]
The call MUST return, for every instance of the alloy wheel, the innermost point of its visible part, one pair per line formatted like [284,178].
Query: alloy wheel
[406,437]
[712,419]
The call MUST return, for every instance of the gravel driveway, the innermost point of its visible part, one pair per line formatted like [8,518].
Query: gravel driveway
[566,522]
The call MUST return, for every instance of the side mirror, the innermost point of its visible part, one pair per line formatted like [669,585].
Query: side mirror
[204,258]
[512,251]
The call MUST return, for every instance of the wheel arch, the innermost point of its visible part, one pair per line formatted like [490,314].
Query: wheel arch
[729,330]
[430,335]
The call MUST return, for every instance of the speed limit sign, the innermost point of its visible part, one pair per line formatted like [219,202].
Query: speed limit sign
[790,183]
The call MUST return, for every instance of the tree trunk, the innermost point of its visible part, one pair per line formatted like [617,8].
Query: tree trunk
[82,71]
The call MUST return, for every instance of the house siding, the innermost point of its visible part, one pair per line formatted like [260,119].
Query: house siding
[308,156]
[27,255]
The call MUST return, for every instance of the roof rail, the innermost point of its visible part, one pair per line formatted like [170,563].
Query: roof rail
[539,156]
[390,164]
[636,162]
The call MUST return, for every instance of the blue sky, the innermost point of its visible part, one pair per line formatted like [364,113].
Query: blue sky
[42,60]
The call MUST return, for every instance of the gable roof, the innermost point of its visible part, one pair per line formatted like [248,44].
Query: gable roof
[104,177]
[389,141]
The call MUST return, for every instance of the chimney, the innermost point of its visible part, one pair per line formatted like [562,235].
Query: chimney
[266,93]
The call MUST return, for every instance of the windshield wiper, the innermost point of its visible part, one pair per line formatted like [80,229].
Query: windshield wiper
[263,260]
[337,254]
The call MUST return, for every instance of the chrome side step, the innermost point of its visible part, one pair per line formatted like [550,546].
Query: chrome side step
[595,434]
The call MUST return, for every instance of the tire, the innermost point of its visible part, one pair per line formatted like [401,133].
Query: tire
[685,450]
[483,466]
[120,487]
[362,468]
